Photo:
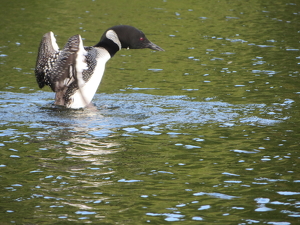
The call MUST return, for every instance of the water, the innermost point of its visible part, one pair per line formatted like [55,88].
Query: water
[205,132]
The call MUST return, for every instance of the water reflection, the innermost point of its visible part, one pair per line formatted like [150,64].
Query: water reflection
[66,165]
[82,164]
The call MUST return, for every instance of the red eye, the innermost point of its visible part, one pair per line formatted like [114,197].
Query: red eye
[141,38]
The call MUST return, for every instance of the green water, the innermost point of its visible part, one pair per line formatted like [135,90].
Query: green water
[206,132]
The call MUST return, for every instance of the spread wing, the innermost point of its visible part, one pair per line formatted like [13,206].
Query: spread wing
[48,52]
[65,75]
[62,70]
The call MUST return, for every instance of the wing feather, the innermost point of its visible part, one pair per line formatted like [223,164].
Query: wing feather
[48,51]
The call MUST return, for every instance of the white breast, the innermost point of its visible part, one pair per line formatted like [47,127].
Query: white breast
[84,95]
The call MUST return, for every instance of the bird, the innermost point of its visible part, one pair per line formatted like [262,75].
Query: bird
[74,73]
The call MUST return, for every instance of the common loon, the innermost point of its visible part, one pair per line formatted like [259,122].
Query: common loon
[75,72]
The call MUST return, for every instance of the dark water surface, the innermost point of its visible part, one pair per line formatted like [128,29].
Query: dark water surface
[206,132]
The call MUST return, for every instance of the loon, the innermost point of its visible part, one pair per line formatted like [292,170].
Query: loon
[75,72]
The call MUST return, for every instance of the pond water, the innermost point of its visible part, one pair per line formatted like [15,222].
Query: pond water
[206,132]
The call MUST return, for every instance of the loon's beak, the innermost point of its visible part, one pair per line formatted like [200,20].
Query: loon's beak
[154,46]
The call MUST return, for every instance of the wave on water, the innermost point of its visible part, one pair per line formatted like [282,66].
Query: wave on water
[123,110]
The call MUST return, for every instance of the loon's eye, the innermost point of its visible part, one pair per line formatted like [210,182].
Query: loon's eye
[141,38]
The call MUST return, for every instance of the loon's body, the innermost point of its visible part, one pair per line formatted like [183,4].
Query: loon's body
[75,72]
